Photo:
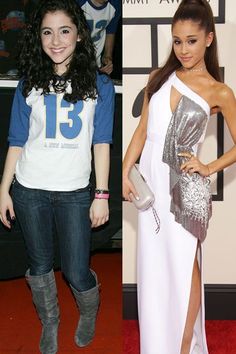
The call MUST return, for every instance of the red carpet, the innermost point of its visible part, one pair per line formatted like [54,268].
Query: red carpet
[221,337]
[20,328]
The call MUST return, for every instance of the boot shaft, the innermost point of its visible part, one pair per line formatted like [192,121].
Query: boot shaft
[88,304]
[44,293]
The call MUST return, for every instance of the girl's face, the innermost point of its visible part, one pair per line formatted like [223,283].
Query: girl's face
[58,37]
[190,43]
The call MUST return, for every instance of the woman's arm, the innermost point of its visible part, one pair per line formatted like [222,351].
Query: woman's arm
[136,146]
[99,211]
[227,104]
[134,150]
[13,155]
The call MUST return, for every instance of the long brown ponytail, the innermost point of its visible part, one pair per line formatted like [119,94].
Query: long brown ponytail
[198,11]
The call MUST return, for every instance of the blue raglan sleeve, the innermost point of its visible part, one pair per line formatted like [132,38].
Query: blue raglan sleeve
[19,123]
[81,2]
[111,28]
[104,111]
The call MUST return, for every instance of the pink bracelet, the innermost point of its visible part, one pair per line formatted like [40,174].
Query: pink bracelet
[102,196]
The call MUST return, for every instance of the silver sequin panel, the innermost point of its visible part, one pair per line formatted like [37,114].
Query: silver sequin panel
[190,195]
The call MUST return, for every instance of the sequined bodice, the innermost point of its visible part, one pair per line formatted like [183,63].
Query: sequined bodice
[190,194]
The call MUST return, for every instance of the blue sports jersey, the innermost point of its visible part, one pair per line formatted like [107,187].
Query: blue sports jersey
[56,136]
[101,20]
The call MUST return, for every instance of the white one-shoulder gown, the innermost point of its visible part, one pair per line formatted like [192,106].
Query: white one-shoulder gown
[165,260]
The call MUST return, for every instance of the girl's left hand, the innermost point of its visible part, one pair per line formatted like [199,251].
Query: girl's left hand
[194,165]
[99,212]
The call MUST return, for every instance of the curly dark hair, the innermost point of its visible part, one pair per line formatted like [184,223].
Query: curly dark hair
[37,69]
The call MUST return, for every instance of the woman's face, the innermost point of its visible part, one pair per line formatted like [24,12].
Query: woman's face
[59,36]
[190,43]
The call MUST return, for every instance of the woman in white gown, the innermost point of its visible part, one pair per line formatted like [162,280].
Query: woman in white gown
[178,102]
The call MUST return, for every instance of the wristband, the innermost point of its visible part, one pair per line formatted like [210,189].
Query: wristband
[102,195]
[102,191]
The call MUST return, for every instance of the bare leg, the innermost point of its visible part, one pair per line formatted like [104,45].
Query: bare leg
[194,305]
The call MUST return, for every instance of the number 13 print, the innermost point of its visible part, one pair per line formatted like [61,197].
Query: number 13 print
[68,130]
[100,26]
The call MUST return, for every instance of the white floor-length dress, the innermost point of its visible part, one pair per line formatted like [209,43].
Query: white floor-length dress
[165,260]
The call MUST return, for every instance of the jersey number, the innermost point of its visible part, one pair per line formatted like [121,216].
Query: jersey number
[69,130]
[101,25]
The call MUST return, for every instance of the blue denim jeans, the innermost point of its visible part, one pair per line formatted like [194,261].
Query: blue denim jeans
[37,212]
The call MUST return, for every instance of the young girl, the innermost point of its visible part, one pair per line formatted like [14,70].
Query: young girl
[178,102]
[61,107]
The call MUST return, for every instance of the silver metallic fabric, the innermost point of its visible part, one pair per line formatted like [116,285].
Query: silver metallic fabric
[190,195]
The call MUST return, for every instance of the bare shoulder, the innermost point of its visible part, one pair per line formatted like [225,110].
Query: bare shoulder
[144,113]
[224,99]
[223,93]
[153,73]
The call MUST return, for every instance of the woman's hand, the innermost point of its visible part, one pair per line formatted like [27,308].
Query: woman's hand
[99,212]
[128,189]
[194,165]
[5,205]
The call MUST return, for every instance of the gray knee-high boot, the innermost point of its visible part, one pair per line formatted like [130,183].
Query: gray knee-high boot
[44,293]
[88,303]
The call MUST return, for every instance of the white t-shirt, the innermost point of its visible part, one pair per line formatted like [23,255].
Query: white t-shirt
[57,135]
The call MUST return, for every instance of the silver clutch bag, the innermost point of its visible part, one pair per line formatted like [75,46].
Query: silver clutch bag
[146,196]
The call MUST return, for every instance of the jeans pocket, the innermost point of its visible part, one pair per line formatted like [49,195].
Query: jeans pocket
[17,185]
[84,198]
[23,194]
[79,197]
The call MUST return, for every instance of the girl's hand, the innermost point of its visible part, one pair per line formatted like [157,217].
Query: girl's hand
[5,205]
[128,189]
[194,165]
[99,212]
[107,65]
